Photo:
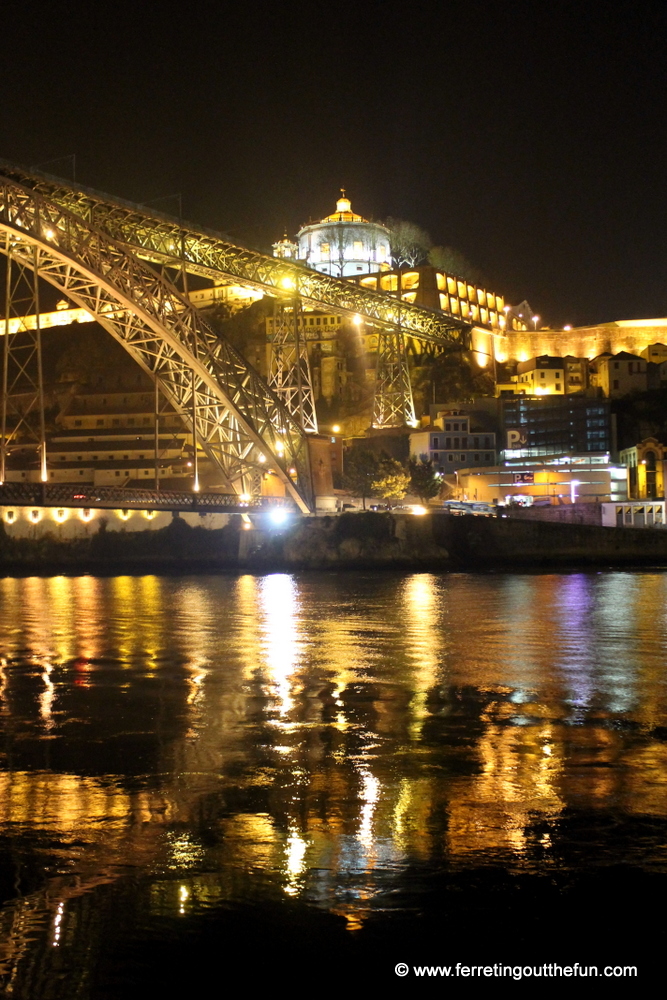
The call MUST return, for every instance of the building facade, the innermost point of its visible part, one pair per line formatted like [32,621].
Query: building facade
[534,426]
[450,444]
[645,463]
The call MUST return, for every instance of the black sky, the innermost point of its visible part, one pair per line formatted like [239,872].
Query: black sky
[531,136]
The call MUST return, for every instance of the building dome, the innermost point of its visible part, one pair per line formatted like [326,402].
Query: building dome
[344,244]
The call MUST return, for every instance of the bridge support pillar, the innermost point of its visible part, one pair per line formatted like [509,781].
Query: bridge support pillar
[319,447]
[393,405]
[289,370]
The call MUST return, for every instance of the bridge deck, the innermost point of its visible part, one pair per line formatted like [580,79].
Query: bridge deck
[162,239]
[115,498]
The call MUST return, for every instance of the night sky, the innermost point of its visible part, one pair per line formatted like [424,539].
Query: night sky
[530,136]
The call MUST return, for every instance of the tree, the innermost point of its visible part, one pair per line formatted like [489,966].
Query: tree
[334,236]
[392,482]
[410,243]
[453,262]
[361,470]
[453,377]
[424,480]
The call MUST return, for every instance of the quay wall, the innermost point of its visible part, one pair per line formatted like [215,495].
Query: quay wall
[351,541]
[67,523]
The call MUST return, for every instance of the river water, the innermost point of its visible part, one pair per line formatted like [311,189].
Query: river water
[259,777]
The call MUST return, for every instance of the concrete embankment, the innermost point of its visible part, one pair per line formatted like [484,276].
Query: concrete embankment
[352,541]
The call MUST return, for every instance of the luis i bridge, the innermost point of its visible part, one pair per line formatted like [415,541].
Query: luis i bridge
[128,268]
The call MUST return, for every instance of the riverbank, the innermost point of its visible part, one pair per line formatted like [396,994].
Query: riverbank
[367,540]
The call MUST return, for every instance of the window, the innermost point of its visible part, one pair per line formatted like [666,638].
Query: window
[436,443]
[450,458]
[615,364]
[80,472]
[448,443]
[100,423]
[464,442]
[477,458]
[77,423]
[542,375]
[487,442]
[615,383]
[487,458]
[456,440]
[476,443]
[448,427]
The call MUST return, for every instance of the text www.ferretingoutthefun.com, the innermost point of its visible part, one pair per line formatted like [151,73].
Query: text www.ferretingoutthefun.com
[549,970]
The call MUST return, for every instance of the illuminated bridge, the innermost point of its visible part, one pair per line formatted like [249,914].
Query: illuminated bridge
[128,268]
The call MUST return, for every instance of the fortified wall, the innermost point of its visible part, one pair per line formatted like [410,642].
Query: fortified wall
[631,335]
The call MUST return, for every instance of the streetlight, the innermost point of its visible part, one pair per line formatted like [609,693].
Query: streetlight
[535,319]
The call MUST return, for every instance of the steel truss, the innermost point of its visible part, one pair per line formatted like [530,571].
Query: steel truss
[172,242]
[22,378]
[239,422]
[393,405]
[289,371]
[176,244]
[114,497]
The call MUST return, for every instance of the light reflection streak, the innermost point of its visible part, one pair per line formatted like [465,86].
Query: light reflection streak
[420,597]
[370,794]
[295,861]
[47,696]
[279,622]
[57,924]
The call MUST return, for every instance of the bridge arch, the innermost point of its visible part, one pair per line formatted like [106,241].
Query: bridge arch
[240,423]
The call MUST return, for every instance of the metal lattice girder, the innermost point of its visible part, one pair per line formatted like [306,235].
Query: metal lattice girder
[392,405]
[22,381]
[289,370]
[169,241]
[239,421]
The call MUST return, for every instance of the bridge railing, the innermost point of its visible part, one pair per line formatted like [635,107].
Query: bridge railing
[63,495]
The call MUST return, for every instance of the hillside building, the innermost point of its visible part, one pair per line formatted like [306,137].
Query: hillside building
[342,244]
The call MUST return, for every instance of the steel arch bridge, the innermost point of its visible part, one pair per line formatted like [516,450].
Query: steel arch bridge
[101,253]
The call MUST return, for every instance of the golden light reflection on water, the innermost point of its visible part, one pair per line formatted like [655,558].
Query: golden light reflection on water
[323,732]
[278,606]
[422,612]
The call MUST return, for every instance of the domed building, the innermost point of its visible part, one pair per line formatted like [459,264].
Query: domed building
[344,244]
